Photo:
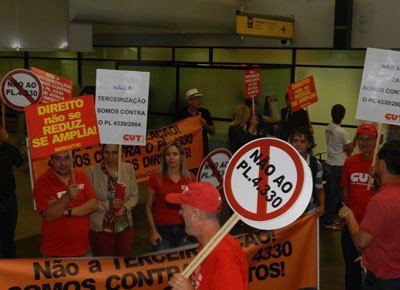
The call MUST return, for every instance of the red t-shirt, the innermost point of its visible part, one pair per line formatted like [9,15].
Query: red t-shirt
[355,178]
[381,220]
[166,213]
[224,268]
[66,236]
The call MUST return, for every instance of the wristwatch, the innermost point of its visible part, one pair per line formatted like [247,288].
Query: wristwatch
[69,211]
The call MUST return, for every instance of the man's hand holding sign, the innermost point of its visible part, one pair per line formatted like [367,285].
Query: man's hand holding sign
[379,99]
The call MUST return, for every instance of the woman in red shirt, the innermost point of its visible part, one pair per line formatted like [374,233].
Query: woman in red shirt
[167,229]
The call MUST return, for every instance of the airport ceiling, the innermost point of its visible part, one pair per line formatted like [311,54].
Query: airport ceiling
[195,21]
[182,16]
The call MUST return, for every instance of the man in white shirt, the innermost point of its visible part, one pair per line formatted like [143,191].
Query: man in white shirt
[339,147]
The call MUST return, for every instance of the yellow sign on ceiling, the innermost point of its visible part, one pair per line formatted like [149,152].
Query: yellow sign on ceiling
[265,27]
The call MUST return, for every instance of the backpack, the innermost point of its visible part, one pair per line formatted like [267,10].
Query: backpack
[314,170]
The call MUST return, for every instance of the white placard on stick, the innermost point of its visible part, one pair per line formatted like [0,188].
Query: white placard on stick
[268,183]
[213,167]
[379,98]
[20,88]
[121,106]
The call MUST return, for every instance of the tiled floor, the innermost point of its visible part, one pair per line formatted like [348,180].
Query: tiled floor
[28,237]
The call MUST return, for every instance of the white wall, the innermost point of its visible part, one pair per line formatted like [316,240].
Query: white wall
[41,25]
[376,24]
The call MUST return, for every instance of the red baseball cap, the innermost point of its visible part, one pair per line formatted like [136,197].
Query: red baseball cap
[368,129]
[201,195]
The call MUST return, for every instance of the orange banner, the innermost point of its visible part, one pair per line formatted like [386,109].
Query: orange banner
[61,126]
[280,259]
[302,93]
[145,159]
[55,88]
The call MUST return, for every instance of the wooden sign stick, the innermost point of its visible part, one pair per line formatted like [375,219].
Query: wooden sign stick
[73,180]
[119,162]
[378,139]
[3,115]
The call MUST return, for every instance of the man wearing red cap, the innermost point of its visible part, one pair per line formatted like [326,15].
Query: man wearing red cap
[356,195]
[226,266]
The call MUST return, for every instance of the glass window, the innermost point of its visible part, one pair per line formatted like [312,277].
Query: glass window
[11,53]
[89,69]
[117,53]
[192,54]
[267,56]
[53,54]
[162,92]
[334,86]
[156,53]
[223,89]
[158,121]
[331,57]
[9,64]
[63,68]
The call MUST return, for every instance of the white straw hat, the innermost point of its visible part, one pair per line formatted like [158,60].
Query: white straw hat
[193,93]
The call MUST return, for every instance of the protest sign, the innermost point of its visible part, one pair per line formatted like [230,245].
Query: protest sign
[213,167]
[252,84]
[55,88]
[268,183]
[61,126]
[379,98]
[21,88]
[285,258]
[302,93]
[145,159]
[121,106]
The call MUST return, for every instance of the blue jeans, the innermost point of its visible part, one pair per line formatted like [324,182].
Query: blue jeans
[8,223]
[353,270]
[172,236]
[333,193]
[371,282]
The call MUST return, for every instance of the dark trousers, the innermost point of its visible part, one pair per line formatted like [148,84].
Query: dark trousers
[8,223]
[333,193]
[352,276]
[371,282]
[172,236]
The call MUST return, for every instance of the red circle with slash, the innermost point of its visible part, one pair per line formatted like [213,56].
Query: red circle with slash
[213,167]
[258,179]
[21,88]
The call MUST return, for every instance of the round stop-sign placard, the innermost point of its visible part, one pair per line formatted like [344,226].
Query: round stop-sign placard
[267,183]
[21,88]
[213,167]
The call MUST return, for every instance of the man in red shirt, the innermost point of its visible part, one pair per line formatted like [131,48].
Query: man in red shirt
[226,266]
[378,233]
[65,204]
[356,196]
